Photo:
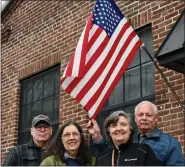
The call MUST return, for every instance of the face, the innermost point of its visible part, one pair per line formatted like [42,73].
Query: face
[145,118]
[120,131]
[41,132]
[71,139]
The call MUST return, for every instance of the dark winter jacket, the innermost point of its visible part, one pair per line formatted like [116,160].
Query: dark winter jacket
[165,147]
[133,154]
[24,155]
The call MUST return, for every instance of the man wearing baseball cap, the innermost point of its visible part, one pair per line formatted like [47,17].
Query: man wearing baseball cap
[31,153]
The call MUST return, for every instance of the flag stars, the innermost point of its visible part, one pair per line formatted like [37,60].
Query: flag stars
[106,16]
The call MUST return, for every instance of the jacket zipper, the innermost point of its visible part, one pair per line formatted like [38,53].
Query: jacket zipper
[118,158]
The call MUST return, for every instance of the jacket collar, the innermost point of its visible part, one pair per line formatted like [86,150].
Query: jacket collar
[124,146]
[31,143]
[153,134]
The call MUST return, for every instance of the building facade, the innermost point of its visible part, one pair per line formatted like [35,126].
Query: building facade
[38,38]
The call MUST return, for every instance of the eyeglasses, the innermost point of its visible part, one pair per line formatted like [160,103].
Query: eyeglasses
[39,127]
[68,135]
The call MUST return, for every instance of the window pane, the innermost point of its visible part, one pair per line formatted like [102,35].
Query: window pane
[37,108]
[100,120]
[48,107]
[24,137]
[57,82]
[27,92]
[38,89]
[30,92]
[48,84]
[56,107]
[25,117]
[135,61]
[24,94]
[116,96]
[132,84]
[55,129]
[148,79]
[106,104]
[146,37]
[130,109]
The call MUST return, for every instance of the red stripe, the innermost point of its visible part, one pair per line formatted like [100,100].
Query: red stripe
[73,84]
[62,80]
[117,60]
[116,80]
[98,52]
[99,71]
[70,66]
[95,37]
[84,47]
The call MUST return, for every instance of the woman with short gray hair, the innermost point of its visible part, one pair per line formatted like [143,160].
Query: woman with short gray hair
[119,129]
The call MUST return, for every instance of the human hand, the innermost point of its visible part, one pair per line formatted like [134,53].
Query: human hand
[94,130]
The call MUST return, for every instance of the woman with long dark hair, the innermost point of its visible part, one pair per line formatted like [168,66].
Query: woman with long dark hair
[68,147]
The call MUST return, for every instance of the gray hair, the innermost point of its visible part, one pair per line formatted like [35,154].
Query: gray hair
[154,107]
[114,117]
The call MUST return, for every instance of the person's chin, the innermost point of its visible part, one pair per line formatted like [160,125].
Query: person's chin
[120,140]
[73,149]
[43,139]
[145,129]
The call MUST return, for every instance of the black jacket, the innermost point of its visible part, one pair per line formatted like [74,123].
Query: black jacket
[24,155]
[133,154]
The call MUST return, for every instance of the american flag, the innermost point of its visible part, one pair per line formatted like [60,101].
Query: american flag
[105,49]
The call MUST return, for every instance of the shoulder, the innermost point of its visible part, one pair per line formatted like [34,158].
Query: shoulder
[141,147]
[13,149]
[51,160]
[104,154]
[11,158]
[165,136]
[93,160]
[168,138]
[22,146]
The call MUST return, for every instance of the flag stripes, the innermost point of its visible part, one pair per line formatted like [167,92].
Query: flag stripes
[104,63]
[105,49]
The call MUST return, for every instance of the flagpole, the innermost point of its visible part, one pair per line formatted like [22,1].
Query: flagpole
[163,76]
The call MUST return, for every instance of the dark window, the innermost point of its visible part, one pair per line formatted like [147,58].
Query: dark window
[39,95]
[137,83]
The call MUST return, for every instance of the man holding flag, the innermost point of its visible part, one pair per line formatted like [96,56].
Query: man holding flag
[105,49]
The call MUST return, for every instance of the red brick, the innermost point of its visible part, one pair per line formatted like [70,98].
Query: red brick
[49,37]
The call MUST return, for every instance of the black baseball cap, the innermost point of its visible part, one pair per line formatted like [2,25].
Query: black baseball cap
[41,118]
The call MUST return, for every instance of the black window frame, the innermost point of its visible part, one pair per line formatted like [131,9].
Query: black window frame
[54,73]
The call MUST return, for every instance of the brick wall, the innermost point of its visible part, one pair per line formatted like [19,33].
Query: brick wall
[44,33]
